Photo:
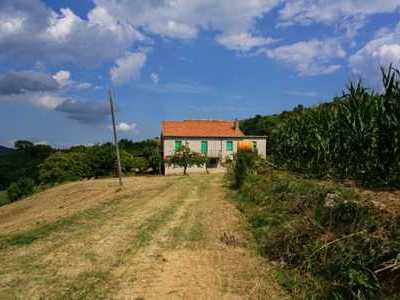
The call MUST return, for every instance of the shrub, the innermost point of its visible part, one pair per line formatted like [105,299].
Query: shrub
[241,166]
[139,164]
[22,188]
[60,167]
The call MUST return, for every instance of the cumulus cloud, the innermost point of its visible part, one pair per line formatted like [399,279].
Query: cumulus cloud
[20,82]
[234,19]
[31,31]
[311,57]
[127,67]
[62,77]
[382,50]
[125,127]
[84,112]
[326,11]
[243,41]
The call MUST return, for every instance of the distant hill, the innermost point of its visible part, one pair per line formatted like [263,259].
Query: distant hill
[5,150]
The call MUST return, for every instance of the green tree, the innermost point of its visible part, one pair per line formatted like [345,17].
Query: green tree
[64,166]
[23,145]
[22,188]
[185,159]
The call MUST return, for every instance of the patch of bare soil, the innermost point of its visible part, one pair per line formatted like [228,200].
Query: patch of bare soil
[388,201]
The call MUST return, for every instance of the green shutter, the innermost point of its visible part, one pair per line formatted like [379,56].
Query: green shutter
[204,147]
[254,145]
[229,146]
[178,145]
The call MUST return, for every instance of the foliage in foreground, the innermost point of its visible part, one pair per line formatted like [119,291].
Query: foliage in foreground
[328,243]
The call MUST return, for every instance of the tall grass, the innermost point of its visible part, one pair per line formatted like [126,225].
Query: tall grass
[357,136]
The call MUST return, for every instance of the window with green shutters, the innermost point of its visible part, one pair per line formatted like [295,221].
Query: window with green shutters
[204,147]
[178,145]
[229,146]
[254,146]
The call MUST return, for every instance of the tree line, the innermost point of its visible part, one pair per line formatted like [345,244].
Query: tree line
[33,166]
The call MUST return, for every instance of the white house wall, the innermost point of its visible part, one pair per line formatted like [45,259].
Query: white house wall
[215,146]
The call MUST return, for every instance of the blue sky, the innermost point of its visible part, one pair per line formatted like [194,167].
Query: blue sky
[179,59]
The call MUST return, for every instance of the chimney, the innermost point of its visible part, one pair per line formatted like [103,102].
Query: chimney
[236,125]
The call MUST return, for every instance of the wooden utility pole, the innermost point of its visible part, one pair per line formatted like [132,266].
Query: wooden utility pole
[119,170]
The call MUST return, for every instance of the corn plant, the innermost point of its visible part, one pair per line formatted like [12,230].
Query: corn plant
[357,136]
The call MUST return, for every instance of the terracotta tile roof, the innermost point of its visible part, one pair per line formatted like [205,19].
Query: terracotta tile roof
[201,128]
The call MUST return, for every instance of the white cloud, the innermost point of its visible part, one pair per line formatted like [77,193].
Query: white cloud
[382,50]
[328,12]
[49,101]
[45,100]
[182,19]
[32,32]
[155,78]
[174,29]
[311,57]
[83,86]
[127,67]
[242,41]
[10,25]
[126,126]
[62,77]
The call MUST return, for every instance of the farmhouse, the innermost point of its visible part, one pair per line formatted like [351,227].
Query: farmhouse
[217,139]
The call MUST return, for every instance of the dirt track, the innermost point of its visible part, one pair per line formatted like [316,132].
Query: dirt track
[158,238]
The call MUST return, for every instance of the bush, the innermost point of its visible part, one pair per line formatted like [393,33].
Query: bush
[240,167]
[61,167]
[139,165]
[22,188]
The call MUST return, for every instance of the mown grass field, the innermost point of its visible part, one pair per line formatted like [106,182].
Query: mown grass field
[157,238]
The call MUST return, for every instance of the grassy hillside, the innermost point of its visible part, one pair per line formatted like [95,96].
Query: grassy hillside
[156,238]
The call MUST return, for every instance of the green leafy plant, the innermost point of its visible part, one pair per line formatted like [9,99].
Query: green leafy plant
[22,188]
[186,158]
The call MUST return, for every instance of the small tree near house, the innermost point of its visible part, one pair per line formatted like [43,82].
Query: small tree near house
[185,158]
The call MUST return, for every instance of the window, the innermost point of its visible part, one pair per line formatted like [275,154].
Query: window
[229,146]
[254,146]
[204,147]
[178,145]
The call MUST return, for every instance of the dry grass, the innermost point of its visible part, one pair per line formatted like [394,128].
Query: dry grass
[159,237]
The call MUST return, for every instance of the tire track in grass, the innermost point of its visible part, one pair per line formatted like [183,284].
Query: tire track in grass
[141,239]
[139,273]
[49,239]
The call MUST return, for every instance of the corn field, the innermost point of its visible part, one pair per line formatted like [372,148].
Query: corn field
[356,136]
